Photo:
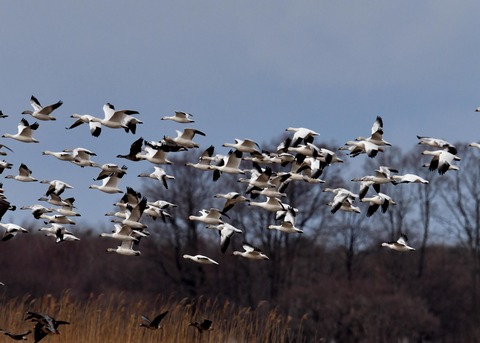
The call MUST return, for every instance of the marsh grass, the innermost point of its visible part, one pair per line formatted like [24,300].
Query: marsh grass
[116,318]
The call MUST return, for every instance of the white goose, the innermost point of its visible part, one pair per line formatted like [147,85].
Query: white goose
[226,232]
[36,210]
[108,168]
[184,138]
[232,198]
[42,112]
[230,164]
[180,117]
[204,159]
[154,154]
[61,155]
[56,186]
[158,174]
[24,133]
[117,119]
[11,230]
[301,134]
[271,204]
[56,218]
[109,184]
[81,157]
[124,233]
[24,174]
[442,160]
[408,178]
[251,252]
[126,248]
[134,214]
[244,145]
[209,217]
[200,259]
[379,200]
[376,136]
[95,127]
[437,143]
[400,245]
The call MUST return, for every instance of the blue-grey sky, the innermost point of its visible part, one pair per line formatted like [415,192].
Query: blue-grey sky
[243,68]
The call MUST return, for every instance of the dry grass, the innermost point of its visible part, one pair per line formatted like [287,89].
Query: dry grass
[116,318]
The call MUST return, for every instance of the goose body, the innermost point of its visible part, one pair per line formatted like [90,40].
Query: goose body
[209,217]
[56,186]
[44,325]
[24,174]
[441,160]
[126,248]
[153,324]
[400,245]
[408,178]
[158,174]
[251,252]
[244,145]
[118,119]
[200,259]
[185,138]
[206,325]
[42,112]
[180,117]
[204,159]
[230,164]
[380,200]
[109,184]
[61,155]
[94,126]
[24,133]
[11,230]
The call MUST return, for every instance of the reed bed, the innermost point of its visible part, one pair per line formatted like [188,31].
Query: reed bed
[116,318]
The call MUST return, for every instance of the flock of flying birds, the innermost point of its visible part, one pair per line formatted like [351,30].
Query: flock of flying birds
[296,159]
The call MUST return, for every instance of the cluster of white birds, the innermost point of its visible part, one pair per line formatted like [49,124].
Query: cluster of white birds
[296,159]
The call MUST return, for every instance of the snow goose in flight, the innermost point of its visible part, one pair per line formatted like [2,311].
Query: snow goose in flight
[206,325]
[124,233]
[36,210]
[301,134]
[209,217]
[356,148]
[343,200]
[42,113]
[109,184]
[203,162]
[135,150]
[441,160]
[56,218]
[226,231]
[3,153]
[118,119]
[56,186]
[61,155]
[57,200]
[244,145]
[184,138]
[108,168]
[230,164]
[280,181]
[437,143]
[24,174]
[376,136]
[251,252]
[5,165]
[379,200]
[271,204]
[232,198]
[67,210]
[474,145]
[11,230]
[60,233]
[154,154]
[134,214]
[200,259]
[16,336]
[382,176]
[81,157]
[95,127]
[24,133]
[153,324]
[259,179]
[288,221]
[126,248]
[180,117]
[408,178]
[156,212]
[400,245]
[158,174]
